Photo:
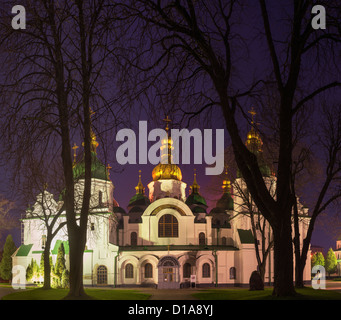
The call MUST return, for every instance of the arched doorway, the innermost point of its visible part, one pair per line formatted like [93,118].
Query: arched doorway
[168,273]
[102,275]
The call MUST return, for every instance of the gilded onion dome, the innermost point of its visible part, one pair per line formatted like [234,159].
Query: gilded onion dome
[139,199]
[166,169]
[195,198]
[139,188]
[255,144]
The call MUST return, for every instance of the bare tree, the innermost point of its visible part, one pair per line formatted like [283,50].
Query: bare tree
[7,220]
[195,46]
[47,210]
[260,228]
[328,186]
[54,69]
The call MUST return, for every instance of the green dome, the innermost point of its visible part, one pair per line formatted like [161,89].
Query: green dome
[139,200]
[198,209]
[98,169]
[195,198]
[225,202]
[118,210]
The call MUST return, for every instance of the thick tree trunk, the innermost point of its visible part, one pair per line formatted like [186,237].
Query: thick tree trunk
[47,267]
[299,282]
[76,269]
[283,261]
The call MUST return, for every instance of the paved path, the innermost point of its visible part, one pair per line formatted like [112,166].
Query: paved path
[5,291]
[333,285]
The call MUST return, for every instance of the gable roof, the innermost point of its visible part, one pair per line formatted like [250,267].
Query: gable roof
[24,250]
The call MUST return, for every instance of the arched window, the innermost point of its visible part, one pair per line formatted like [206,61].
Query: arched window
[223,241]
[148,271]
[202,239]
[233,273]
[168,226]
[187,270]
[206,270]
[129,271]
[133,239]
[102,275]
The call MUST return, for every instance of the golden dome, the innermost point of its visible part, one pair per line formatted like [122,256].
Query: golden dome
[253,142]
[226,182]
[195,186]
[166,171]
[139,188]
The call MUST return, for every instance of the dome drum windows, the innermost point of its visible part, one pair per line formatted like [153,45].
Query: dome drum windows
[133,239]
[202,239]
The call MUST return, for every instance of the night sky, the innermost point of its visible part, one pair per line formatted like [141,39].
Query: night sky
[125,177]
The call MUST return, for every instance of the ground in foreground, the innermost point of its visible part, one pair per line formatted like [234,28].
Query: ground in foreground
[58,294]
[266,294]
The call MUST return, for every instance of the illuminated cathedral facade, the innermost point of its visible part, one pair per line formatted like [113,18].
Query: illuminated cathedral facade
[168,238]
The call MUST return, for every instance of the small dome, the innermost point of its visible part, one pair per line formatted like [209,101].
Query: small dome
[198,209]
[195,199]
[119,210]
[98,169]
[225,202]
[139,200]
[136,209]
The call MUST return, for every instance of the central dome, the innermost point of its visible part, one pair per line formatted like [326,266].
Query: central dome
[166,171]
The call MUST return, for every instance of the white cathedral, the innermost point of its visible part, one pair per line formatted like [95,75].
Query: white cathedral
[168,239]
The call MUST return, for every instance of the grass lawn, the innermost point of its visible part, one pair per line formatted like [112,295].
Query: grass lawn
[245,294]
[58,294]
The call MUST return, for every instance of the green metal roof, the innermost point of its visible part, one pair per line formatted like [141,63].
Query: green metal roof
[198,209]
[195,198]
[24,250]
[98,169]
[225,202]
[139,200]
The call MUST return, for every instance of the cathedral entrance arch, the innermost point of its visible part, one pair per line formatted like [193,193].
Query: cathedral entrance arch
[168,273]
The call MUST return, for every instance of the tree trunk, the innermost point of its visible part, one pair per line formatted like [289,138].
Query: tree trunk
[47,267]
[299,283]
[302,263]
[77,247]
[283,260]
